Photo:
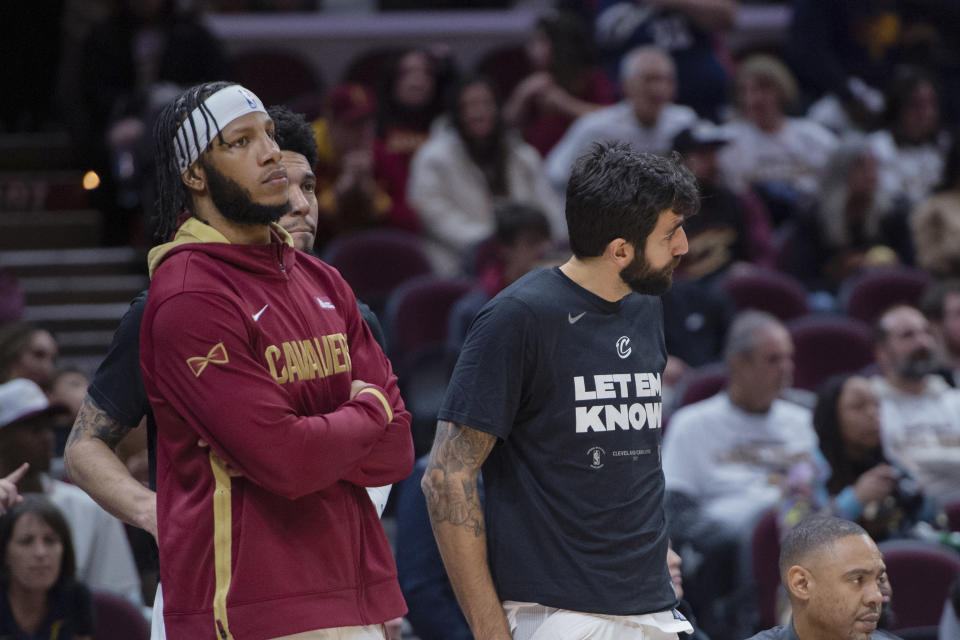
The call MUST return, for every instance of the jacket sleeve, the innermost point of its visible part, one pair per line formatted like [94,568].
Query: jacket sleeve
[204,366]
[391,458]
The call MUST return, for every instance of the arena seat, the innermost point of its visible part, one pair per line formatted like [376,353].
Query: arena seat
[117,619]
[276,76]
[828,345]
[867,295]
[921,574]
[766,290]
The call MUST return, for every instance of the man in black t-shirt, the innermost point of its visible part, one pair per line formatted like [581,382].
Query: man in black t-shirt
[557,394]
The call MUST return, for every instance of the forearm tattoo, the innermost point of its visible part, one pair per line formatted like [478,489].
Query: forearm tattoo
[94,422]
[450,480]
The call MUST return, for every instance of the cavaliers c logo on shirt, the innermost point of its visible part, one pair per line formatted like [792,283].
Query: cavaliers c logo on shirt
[216,355]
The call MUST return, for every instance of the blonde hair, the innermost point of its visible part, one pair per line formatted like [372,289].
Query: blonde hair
[771,68]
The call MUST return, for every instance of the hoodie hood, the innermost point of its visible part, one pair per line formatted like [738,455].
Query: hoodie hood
[193,231]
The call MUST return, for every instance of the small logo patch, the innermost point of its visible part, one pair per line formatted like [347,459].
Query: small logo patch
[256,316]
[623,347]
[596,457]
[325,303]
[216,355]
[572,319]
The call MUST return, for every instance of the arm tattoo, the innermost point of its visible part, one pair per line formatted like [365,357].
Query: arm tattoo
[450,480]
[94,422]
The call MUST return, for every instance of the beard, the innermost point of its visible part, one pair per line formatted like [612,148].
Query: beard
[918,364]
[235,203]
[643,278]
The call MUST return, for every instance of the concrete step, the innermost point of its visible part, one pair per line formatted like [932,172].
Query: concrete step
[36,152]
[42,191]
[75,262]
[104,316]
[70,289]
[49,229]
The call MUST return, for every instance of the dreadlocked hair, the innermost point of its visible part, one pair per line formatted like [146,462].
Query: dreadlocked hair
[172,195]
[293,133]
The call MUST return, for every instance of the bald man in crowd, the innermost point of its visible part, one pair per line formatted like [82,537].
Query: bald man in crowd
[835,577]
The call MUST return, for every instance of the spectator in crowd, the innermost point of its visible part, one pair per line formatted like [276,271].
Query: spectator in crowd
[28,352]
[935,222]
[849,226]
[941,307]
[912,145]
[128,64]
[67,391]
[468,164]
[9,492]
[104,559]
[843,53]
[782,156]
[646,118]
[409,99]
[564,83]
[724,460]
[520,243]
[919,412]
[834,575]
[350,194]
[674,561]
[862,485]
[688,30]
[40,596]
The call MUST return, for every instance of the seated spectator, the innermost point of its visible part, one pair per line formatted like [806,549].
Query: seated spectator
[919,412]
[849,226]
[67,392]
[911,147]
[103,556]
[520,243]
[646,118]
[935,222]
[941,307]
[409,99]
[783,157]
[468,164]
[564,83]
[350,194]
[39,593]
[862,485]
[690,31]
[28,352]
[724,460]
[834,575]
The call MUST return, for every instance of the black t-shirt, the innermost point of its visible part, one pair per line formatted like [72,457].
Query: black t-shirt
[71,615]
[117,386]
[570,384]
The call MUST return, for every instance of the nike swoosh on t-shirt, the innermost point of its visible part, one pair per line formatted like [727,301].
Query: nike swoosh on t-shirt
[256,316]
[574,318]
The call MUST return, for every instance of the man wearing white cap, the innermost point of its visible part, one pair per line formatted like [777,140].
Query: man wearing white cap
[260,351]
[104,559]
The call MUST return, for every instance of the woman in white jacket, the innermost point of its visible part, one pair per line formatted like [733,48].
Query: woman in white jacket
[468,162]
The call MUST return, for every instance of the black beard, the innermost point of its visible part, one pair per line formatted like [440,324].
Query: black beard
[644,279]
[235,203]
[918,365]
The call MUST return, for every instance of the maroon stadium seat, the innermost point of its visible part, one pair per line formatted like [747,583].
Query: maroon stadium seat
[828,345]
[767,290]
[874,291]
[921,574]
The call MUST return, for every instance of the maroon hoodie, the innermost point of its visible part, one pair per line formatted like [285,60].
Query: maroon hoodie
[253,348]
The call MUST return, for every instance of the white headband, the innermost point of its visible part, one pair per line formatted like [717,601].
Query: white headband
[225,106]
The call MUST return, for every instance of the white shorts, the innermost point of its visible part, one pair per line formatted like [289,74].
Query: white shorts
[368,632]
[531,621]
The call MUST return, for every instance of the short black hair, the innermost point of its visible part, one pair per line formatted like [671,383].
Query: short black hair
[293,133]
[617,192]
[932,305]
[172,195]
[515,219]
[812,534]
[49,513]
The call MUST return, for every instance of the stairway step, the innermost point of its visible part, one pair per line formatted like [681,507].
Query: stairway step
[36,151]
[88,317]
[42,191]
[66,289]
[86,261]
[49,229]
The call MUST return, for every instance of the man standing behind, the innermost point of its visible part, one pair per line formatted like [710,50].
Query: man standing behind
[835,577]
[563,369]
[260,351]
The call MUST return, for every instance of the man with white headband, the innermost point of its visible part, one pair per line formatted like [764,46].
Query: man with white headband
[260,351]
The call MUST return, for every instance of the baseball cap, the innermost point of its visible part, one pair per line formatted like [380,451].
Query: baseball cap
[702,135]
[351,102]
[19,399]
